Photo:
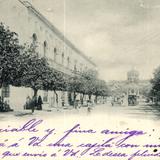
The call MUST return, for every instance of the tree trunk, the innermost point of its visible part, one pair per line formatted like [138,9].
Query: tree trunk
[34,100]
[89,96]
[103,100]
[1,86]
[96,99]
[56,97]
[35,92]
[70,98]
[82,99]
[74,99]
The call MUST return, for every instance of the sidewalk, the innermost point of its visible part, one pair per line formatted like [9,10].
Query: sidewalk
[54,110]
[47,112]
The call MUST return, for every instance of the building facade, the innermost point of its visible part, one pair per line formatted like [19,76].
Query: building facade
[62,55]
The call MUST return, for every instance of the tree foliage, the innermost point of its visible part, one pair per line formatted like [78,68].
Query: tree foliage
[155,81]
[37,73]
[22,66]
[88,83]
[101,88]
[9,56]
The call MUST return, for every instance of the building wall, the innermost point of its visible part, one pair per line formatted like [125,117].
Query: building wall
[25,22]
[18,97]
[12,14]
[62,56]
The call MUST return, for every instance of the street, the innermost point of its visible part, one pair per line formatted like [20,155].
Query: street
[138,112]
[144,112]
[101,117]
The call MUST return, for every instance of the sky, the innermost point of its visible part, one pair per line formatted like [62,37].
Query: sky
[118,35]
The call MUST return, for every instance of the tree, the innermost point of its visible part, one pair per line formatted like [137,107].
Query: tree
[75,85]
[57,81]
[33,71]
[90,77]
[22,66]
[145,89]
[10,56]
[101,89]
[155,91]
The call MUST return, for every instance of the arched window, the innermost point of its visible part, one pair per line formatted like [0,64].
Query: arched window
[34,37]
[62,58]
[68,62]
[45,47]
[55,50]
[55,54]
[34,40]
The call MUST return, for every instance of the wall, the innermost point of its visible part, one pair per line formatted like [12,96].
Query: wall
[18,97]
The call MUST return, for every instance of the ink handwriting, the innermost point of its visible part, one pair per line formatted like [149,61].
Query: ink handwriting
[74,142]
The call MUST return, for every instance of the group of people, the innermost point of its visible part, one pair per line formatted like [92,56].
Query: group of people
[4,106]
[33,103]
[132,100]
[117,100]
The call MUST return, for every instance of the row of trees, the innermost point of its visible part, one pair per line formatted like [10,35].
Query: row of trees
[21,65]
[155,81]
[87,83]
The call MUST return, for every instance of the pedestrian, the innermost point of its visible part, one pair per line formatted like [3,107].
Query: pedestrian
[33,103]
[1,104]
[89,110]
[112,101]
[39,103]
[6,106]
[28,101]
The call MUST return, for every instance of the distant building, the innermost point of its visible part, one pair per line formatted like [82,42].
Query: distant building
[133,87]
[133,76]
[62,55]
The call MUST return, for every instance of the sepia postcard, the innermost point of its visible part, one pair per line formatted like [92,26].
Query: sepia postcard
[80,79]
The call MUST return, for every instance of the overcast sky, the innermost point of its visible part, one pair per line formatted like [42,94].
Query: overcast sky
[117,34]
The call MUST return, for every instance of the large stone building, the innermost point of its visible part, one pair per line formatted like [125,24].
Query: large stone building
[62,55]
